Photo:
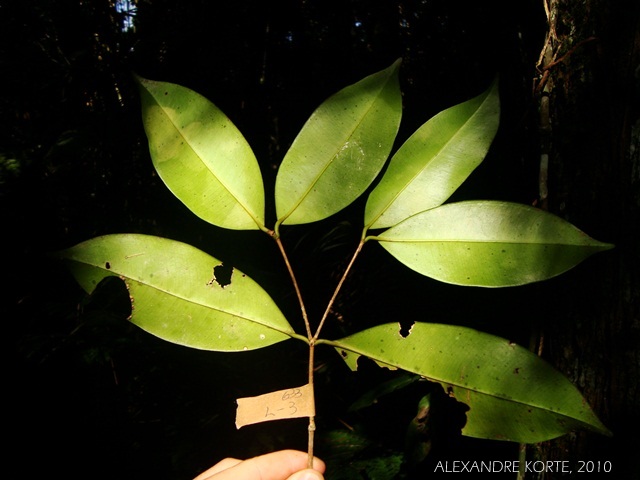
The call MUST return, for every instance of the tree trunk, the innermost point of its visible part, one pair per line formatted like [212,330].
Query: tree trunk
[592,332]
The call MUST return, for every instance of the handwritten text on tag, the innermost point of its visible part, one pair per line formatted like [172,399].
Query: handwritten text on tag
[290,403]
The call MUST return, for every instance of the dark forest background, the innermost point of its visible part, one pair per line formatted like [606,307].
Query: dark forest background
[92,396]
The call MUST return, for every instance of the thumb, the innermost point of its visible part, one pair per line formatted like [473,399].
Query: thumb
[307,474]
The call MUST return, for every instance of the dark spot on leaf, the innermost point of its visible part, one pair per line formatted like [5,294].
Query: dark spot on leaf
[107,266]
[517,370]
[221,275]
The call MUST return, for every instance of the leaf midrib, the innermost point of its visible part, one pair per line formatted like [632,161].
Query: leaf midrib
[304,196]
[208,167]
[127,277]
[438,154]
[454,383]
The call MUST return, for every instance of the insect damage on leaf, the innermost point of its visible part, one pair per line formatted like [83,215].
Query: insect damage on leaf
[221,275]
[127,286]
[405,328]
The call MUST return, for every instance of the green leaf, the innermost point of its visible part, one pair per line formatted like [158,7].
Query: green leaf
[419,435]
[488,244]
[202,157]
[512,393]
[435,160]
[179,293]
[340,149]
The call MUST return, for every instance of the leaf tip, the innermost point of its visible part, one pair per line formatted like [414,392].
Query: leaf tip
[138,79]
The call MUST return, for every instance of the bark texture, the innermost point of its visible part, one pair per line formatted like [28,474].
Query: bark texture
[592,330]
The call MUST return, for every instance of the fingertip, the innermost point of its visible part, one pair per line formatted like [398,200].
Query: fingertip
[318,465]
[308,474]
[297,460]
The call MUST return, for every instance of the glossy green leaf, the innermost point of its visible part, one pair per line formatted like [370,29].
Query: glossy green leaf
[202,157]
[179,293]
[512,394]
[340,149]
[435,160]
[488,244]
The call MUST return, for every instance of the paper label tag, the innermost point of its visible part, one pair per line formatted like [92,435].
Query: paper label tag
[290,403]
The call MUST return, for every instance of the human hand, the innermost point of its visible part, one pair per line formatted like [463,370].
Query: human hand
[280,465]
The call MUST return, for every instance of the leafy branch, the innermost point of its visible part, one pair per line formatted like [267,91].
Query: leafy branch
[338,154]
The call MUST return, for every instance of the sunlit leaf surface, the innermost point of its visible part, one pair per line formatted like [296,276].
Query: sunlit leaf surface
[340,149]
[202,157]
[512,394]
[488,243]
[180,293]
[435,160]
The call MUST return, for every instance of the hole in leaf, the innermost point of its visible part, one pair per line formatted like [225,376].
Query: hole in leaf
[110,297]
[405,328]
[222,275]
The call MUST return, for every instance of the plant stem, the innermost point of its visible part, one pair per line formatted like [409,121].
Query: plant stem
[314,337]
[311,364]
[337,290]
[312,346]
[522,458]
[303,310]
[312,421]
